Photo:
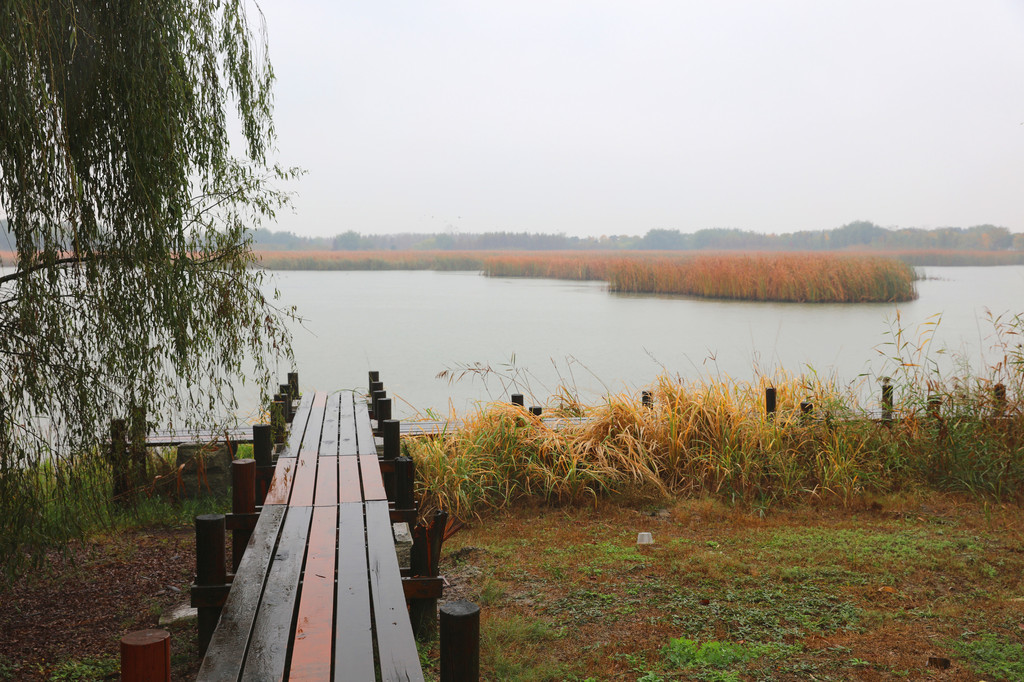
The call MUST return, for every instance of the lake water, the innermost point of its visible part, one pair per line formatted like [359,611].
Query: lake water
[412,325]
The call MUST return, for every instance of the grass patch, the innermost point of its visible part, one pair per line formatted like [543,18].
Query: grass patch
[993,654]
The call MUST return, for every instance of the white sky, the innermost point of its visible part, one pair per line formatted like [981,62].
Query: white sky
[603,117]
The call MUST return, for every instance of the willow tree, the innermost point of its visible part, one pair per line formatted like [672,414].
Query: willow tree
[130,211]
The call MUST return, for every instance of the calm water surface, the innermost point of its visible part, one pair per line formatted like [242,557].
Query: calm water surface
[412,325]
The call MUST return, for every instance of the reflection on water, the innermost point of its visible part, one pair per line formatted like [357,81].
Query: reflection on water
[412,325]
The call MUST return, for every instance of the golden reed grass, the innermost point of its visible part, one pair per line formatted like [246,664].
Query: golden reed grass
[713,437]
[797,277]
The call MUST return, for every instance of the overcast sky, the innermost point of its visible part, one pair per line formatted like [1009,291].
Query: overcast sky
[594,117]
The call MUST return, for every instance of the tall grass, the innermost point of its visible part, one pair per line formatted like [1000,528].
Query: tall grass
[805,277]
[713,437]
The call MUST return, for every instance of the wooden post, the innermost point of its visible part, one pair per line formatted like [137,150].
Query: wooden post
[375,399]
[263,453]
[211,570]
[405,479]
[460,642]
[286,397]
[373,376]
[392,431]
[934,405]
[999,393]
[769,402]
[536,410]
[146,656]
[118,454]
[293,381]
[647,399]
[806,410]
[243,501]
[277,419]
[383,411]
[374,387]
[137,446]
[517,399]
[886,399]
[427,539]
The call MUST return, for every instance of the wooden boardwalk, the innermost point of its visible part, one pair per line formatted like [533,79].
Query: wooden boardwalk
[318,593]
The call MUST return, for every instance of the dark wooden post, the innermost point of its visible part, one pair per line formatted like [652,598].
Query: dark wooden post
[999,394]
[647,399]
[427,539]
[286,397]
[293,381]
[517,399]
[383,411]
[373,376]
[806,410]
[263,453]
[243,501]
[146,656]
[375,399]
[886,399]
[934,405]
[405,480]
[137,446]
[460,642]
[392,431]
[375,387]
[769,402]
[277,419]
[211,570]
[119,460]
[536,410]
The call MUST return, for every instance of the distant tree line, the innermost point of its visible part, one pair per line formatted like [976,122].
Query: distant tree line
[856,235]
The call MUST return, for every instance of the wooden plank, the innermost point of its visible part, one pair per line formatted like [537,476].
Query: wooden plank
[226,654]
[364,430]
[313,643]
[350,488]
[373,484]
[268,644]
[347,425]
[308,447]
[298,427]
[281,485]
[329,436]
[399,660]
[353,644]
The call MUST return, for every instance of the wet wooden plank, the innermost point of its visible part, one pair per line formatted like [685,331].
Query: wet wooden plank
[226,653]
[347,425]
[350,488]
[308,448]
[364,430]
[373,484]
[313,642]
[268,644]
[281,484]
[399,660]
[353,644]
[298,427]
[329,436]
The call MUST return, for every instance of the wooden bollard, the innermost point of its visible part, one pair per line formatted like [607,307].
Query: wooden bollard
[647,399]
[146,656]
[243,501]
[405,480]
[383,411]
[118,458]
[277,420]
[293,382]
[372,376]
[211,569]
[392,432]
[999,394]
[517,399]
[375,386]
[806,410]
[460,642]
[886,399]
[287,397]
[263,453]
[934,405]
[769,402]
[536,410]
[375,399]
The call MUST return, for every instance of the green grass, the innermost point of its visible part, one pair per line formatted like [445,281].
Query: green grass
[993,654]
